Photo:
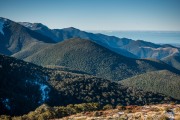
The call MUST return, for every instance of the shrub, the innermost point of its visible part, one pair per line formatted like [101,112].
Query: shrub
[107,107]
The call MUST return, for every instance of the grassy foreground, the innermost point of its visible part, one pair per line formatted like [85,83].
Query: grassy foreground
[93,111]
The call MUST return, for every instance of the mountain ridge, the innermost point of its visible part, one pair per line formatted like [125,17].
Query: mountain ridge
[87,56]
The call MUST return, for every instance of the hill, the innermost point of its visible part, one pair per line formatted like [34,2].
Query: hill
[87,56]
[164,82]
[25,86]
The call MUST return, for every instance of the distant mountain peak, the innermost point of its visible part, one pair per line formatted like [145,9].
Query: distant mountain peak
[33,26]
[26,24]
[124,46]
[72,29]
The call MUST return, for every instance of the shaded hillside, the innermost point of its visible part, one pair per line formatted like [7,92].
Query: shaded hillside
[16,37]
[173,60]
[164,82]
[22,85]
[87,56]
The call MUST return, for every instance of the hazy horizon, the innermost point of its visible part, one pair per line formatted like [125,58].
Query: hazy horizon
[158,37]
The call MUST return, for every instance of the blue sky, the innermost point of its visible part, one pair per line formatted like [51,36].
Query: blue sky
[96,14]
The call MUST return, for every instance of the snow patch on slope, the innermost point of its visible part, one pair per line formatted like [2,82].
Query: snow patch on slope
[161,52]
[6,103]
[173,50]
[44,90]
[26,24]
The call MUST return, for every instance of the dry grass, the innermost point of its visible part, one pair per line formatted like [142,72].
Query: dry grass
[151,112]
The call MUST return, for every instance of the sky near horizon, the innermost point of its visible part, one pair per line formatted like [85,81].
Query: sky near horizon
[158,15]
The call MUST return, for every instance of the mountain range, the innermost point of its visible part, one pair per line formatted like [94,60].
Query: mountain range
[139,48]
[68,66]
[123,46]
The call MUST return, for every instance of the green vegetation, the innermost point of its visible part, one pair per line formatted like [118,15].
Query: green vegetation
[107,107]
[27,86]
[164,82]
[84,55]
[77,88]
